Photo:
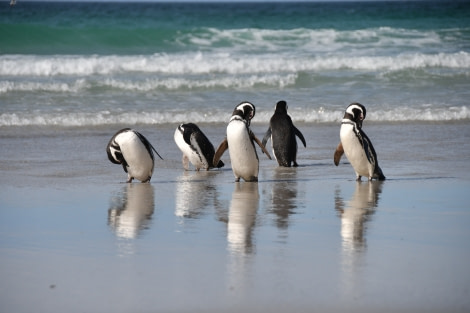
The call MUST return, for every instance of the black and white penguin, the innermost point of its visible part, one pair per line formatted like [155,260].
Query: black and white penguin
[131,149]
[240,142]
[196,147]
[282,133]
[356,145]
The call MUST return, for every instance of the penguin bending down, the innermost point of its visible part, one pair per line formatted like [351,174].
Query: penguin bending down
[282,133]
[134,152]
[240,142]
[356,145]
[196,147]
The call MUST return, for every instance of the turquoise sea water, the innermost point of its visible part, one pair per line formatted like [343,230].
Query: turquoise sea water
[85,64]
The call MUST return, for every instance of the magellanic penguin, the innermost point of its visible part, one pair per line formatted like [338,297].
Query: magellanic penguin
[356,145]
[196,147]
[240,142]
[282,133]
[131,149]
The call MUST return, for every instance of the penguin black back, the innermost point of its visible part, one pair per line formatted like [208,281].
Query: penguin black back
[192,135]
[282,132]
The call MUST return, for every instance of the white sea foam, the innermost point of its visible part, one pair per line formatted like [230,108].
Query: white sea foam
[199,70]
[304,115]
[209,63]
[311,40]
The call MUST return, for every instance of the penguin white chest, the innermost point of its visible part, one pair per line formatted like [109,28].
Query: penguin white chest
[242,152]
[355,151]
[136,155]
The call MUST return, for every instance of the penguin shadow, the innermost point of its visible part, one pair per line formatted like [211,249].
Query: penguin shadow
[195,191]
[242,217]
[284,195]
[131,210]
[357,212]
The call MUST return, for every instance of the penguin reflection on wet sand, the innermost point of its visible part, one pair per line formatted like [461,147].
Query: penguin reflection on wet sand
[356,212]
[131,211]
[196,147]
[240,142]
[282,133]
[356,145]
[241,218]
[134,152]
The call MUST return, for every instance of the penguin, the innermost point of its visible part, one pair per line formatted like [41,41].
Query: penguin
[134,152]
[282,133]
[196,147]
[240,142]
[356,145]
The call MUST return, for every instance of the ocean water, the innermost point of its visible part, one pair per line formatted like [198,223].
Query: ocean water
[90,64]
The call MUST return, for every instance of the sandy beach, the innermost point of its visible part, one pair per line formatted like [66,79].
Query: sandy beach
[76,238]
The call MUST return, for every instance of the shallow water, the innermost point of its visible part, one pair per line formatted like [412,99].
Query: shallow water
[75,237]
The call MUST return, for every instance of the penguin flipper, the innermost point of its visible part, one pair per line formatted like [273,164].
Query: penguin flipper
[266,136]
[156,152]
[220,151]
[147,144]
[263,148]
[299,134]
[338,153]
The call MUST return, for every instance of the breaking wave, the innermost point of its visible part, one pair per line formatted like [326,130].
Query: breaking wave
[319,115]
[209,63]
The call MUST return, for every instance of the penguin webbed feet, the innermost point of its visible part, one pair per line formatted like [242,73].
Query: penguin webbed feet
[250,179]
[185,161]
[147,181]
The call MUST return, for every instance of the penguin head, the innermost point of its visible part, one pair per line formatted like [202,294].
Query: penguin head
[281,107]
[355,112]
[246,110]
[186,130]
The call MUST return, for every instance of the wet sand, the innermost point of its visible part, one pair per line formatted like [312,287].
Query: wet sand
[76,238]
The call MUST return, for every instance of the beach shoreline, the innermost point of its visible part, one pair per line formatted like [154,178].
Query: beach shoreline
[300,238]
